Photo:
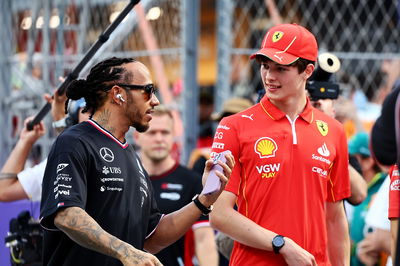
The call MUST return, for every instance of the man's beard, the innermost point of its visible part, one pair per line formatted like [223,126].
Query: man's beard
[140,127]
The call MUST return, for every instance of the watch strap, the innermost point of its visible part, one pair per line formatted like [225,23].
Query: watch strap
[204,210]
[281,242]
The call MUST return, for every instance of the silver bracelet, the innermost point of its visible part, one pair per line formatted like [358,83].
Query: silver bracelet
[60,123]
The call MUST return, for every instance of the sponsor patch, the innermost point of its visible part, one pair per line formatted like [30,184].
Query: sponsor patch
[321,159]
[322,127]
[395,185]
[248,117]
[321,172]
[61,166]
[111,169]
[268,170]
[223,127]
[323,150]
[218,145]
[219,135]
[265,147]
[277,36]
[170,195]
[106,154]
[171,186]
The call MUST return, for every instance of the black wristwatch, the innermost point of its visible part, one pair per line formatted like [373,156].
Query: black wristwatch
[277,243]
[204,210]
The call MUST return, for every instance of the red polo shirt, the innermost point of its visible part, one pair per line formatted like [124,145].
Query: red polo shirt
[394,192]
[285,172]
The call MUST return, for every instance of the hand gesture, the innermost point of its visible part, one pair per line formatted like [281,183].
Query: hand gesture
[368,249]
[227,167]
[294,255]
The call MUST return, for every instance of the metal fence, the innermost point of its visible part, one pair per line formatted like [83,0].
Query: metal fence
[362,33]
[45,39]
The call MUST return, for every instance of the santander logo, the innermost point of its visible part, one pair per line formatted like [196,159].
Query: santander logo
[323,150]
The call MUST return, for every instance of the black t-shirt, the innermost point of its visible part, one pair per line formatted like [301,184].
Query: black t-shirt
[172,191]
[90,169]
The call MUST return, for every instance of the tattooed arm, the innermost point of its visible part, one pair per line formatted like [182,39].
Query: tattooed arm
[84,230]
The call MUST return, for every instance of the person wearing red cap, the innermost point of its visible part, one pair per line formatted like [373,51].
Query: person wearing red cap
[291,171]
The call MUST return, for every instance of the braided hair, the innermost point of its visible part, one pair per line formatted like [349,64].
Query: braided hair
[100,79]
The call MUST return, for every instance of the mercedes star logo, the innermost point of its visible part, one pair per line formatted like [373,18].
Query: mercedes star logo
[107,154]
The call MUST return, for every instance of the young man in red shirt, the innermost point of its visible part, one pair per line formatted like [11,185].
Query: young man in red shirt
[291,170]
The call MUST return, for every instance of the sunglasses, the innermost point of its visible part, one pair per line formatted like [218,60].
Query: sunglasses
[148,90]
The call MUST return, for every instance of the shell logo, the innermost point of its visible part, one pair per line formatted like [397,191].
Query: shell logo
[265,147]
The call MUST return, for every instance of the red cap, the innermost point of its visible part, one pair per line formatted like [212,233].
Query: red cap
[285,43]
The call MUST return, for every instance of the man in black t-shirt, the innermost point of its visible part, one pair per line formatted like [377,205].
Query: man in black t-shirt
[174,187]
[97,202]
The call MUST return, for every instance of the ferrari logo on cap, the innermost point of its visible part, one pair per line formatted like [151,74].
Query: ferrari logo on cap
[322,127]
[277,36]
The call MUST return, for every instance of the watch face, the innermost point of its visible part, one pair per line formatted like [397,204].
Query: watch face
[278,241]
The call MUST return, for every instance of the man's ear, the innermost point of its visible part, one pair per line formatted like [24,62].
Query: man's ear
[116,93]
[309,70]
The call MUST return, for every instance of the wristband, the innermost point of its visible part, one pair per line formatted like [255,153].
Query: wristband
[60,123]
[204,210]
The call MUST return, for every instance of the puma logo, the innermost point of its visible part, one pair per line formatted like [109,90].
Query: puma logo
[249,117]
[279,57]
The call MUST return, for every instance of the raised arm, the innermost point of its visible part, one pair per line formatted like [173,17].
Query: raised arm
[10,188]
[225,219]
[84,230]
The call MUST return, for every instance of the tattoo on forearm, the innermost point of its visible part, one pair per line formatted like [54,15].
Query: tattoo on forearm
[84,230]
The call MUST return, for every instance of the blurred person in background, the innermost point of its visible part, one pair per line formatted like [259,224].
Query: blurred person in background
[385,145]
[391,71]
[288,156]
[376,244]
[19,183]
[231,106]
[174,187]
[373,175]
[206,107]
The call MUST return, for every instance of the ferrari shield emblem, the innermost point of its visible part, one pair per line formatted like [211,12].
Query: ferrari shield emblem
[277,36]
[322,127]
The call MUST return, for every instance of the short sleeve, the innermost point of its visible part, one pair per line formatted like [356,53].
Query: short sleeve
[64,183]
[31,180]
[339,180]
[154,218]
